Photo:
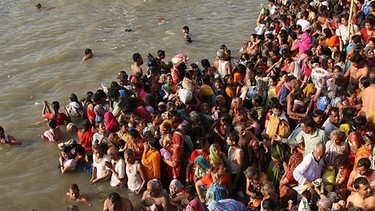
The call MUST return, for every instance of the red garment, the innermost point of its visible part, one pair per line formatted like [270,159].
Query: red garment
[207,180]
[177,148]
[60,119]
[85,139]
[194,154]
[110,122]
[353,139]
[366,37]
[91,114]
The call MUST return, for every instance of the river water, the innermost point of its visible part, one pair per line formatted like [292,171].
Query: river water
[40,60]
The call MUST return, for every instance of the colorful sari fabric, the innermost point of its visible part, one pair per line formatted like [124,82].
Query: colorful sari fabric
[226,204]
[110,122]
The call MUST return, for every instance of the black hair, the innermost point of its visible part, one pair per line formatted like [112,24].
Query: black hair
[233,136]
[360,181]
[114,197]
[136,57]
[365,162]
[52,123]
[87,51]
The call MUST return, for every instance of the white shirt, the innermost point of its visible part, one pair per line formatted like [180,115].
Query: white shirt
[120,169]
[101,168]
[308,169]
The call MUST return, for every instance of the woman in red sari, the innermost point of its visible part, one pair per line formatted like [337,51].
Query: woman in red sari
[85,135]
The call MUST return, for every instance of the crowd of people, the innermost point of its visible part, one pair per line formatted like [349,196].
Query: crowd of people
[287,125]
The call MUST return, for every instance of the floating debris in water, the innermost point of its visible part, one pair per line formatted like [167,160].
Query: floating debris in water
[101,40]
[128,30]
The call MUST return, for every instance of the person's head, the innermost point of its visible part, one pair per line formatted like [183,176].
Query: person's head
[161,54]
[73,190]
[363,166]
[2,132]
[268,189]
[72,207]
[307,125]
[334,116]
[88,52]
[232,138]
[325,204]
[356,60]
[318,152]
[100,127]
[113,153]
[114,201]
[153,187]
[251,173]
[200,143]
[165,128]
[364,82]
[134,134]
[129,156]
[38,5]
[185,29]
[359,122]
[336,137]
[137,58]
[367,142]
[97,150]
[55,106]
[52,124]
[65,152]
[190,192]
[362,185]
[341,161]
[269,205]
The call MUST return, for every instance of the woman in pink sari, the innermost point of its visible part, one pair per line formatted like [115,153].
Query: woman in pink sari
[110,122]
[304,44]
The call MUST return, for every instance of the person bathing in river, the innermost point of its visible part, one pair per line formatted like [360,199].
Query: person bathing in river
[7,139]
[74,194]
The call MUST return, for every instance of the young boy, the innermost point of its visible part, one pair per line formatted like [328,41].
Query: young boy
[88,54]
[187,37]
[136,66]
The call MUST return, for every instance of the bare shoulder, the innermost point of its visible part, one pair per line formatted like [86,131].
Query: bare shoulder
[128,204]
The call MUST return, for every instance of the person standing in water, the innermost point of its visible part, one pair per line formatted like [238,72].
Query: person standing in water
[187,37]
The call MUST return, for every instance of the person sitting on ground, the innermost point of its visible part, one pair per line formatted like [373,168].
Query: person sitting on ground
[115,202]
[154,198]
[7,139]
[74,194]
[88,55]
